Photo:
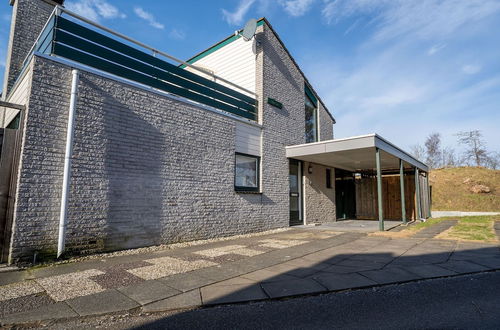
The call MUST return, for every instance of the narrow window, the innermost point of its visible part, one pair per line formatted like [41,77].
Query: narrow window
[311,116]
[246,174]
[328,178]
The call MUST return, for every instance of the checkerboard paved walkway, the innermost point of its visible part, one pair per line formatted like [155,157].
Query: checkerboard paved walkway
[289,263]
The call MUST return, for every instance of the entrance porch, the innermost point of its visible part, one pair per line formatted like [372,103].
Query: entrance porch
[373,179]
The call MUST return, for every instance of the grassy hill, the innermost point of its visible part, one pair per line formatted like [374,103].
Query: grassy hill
[452,189]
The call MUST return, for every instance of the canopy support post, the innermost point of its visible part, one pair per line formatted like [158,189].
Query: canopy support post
[379,191]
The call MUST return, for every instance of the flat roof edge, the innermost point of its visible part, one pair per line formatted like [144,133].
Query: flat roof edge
[371,140]
[334,140]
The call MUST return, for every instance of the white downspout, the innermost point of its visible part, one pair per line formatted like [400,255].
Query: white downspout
[67,163]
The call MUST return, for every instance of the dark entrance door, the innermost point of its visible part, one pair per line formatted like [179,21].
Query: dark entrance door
[345,195]
[295,178]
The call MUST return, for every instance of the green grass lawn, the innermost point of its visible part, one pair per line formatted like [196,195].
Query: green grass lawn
[477,228]
[421,225]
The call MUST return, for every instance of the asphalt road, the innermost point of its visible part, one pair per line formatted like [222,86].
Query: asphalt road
[465,302]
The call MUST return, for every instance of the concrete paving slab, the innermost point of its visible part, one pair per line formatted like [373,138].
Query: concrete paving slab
[340,269]
[354,225]
[223,294]
[493,263]
[291,270]
[47,312]
[240,280]
[264,275]
[390,275]
[361,265]
[13,277]
[108,301]
[430,258]
[218,273]
[292,288]
[305,263]
[184,300]
[335,282]
[148,291]
[186,282]
[474,254]
[430,271]
[463,267]
[430,232]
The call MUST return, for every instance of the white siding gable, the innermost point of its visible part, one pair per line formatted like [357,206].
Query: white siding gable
[19,96]
[234,62]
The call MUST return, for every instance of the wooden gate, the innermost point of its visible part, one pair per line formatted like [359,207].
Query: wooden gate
[9,163]
[366,197]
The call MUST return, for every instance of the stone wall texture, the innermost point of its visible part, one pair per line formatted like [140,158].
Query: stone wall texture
[325,123]
[147,168]
[319,200]
[28,19]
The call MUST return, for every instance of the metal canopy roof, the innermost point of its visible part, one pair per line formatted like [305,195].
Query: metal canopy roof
[354,154]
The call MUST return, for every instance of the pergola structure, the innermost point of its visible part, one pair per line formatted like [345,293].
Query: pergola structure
[370,153]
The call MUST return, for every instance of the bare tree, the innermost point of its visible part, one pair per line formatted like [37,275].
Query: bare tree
[433,150]
[493,160]
[475,149]
[449,157]
[417,151]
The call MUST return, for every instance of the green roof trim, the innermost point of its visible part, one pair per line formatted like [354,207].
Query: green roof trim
[217,46]
[310,95]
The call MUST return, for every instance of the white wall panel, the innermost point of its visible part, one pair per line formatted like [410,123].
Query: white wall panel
[248,139]
[234,62]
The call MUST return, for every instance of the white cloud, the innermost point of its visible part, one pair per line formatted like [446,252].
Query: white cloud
[434,49]
[177,34]
[471,68]
[148,17]
[236,17]
[378,91]
[95,9]
[424,19]
[296,7]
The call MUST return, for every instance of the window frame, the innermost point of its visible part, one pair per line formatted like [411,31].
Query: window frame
[309,96]
[328,178]
[257,171]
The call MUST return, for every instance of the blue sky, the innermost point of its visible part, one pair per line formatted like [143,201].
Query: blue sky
[401,68]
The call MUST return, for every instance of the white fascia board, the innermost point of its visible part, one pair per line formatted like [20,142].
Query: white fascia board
[390,148]
[353,143]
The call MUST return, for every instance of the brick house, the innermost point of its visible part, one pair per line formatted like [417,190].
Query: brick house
[109,144]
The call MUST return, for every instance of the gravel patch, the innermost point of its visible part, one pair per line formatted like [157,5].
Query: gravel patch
[233,249]
[19,289]
[67,286]
[24,303]
[166,266]
[164,247]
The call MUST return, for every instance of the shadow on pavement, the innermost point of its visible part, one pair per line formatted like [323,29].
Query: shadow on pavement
[325,271]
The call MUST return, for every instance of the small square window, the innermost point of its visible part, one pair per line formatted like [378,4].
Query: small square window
[328,178]
[246,173]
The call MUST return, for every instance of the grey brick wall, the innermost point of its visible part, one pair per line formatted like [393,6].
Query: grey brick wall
[325,123]
[282,81]
[320,200]
[148,169]
[28,19]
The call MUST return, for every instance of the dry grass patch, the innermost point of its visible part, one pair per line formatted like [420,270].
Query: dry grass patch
[478,228]
[464,189]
